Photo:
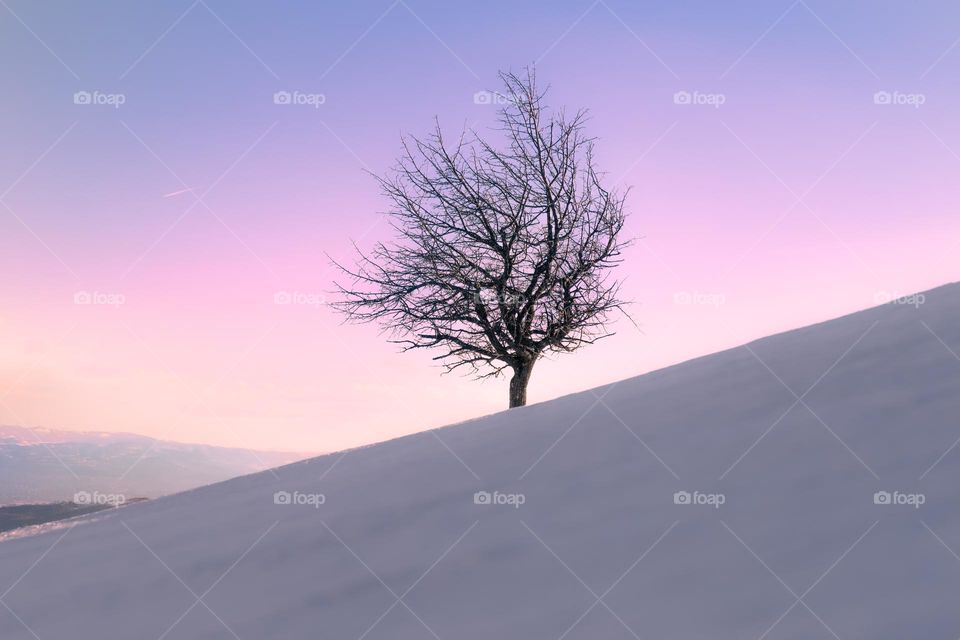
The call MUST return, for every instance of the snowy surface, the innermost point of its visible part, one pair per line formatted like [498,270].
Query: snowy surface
[598,549]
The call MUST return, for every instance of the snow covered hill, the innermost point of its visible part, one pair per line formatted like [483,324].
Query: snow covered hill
[803,486]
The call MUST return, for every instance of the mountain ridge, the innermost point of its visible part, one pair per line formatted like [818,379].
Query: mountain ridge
[40,465]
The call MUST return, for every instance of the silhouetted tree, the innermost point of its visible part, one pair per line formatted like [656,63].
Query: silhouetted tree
[501,254]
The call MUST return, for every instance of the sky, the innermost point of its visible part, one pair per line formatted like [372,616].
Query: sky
[170,171]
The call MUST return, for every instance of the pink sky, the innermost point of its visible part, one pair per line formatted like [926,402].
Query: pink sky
[796,200]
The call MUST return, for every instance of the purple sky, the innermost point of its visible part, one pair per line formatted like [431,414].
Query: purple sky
[777,189]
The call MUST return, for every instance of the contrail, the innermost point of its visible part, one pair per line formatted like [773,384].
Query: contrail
[176,193]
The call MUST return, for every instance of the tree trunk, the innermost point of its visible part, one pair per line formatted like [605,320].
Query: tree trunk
[518,384]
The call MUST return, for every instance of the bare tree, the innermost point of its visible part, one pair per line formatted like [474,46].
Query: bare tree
[501,254]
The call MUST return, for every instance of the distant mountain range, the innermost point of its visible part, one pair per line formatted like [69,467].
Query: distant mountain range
[49,465]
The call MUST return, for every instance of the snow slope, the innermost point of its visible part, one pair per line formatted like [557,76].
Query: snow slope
[598,548]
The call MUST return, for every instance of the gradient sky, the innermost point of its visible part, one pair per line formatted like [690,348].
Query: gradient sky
[796,200]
